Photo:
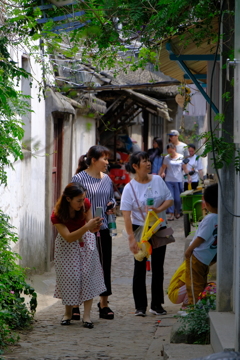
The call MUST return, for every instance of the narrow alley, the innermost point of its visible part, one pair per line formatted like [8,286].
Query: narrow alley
[125,337]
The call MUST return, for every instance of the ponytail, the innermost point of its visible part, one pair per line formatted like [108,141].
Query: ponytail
[82,164]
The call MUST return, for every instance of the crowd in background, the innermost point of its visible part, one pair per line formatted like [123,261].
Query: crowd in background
[180,167]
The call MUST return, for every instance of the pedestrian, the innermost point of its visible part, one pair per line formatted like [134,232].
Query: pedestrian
[91,174]
[191,277]
[173,163]
[156,156]
[152,150]
[79,275]
[134,210]
[135,146]
[194,168]
[181,147]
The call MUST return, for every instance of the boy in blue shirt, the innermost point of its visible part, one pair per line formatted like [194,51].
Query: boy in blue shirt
[191,277]
[203,248]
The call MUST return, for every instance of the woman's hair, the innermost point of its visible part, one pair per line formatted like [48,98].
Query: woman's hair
[171,146]
[61,209]
[135,158]
[95,152]
[191,146]
[159,149]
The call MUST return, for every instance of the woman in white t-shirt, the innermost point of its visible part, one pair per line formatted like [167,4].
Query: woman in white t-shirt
[133,207]
[194,168]
[173,162]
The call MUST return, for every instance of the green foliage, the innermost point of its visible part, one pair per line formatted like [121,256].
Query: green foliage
[147,21]
[225,152]
[227,96]
[15,313]
[195,325]
[13,104]
[109,27]
[189,136]
[88,126]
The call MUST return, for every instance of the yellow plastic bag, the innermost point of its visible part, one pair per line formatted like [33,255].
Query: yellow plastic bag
[145,248]
[173,288]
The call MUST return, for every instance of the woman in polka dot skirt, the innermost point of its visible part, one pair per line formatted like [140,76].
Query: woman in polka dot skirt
[79,275]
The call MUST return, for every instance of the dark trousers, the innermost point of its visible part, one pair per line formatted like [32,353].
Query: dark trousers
[139,279]
[104,244]
[194,185]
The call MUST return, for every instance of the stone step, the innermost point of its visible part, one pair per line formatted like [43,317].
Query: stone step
[222,330]
[185,351]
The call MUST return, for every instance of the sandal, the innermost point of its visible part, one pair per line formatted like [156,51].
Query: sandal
[105,313]
[88,325]
[170,219]
[178,216]
[66,322]
[75,313]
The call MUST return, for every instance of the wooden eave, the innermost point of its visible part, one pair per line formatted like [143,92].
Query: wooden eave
[186,47]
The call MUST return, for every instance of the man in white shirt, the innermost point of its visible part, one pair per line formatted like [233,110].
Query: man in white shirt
[181,147]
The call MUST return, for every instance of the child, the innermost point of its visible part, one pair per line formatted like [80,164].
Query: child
[188,284]
[79,275]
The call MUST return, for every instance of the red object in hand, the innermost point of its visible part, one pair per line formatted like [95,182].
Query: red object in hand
[148,265]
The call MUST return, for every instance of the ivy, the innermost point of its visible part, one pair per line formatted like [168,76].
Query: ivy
[15,312]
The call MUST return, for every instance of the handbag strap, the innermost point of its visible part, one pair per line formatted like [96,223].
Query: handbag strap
[137,201]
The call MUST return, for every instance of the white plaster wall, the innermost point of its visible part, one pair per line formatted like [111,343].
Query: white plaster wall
[24,197]
[84,136]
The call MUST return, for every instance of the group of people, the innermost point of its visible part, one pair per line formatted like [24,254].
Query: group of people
[179,168]
[83,248]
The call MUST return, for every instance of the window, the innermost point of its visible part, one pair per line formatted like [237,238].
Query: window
[157,126]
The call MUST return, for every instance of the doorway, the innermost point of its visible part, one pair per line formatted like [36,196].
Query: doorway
[56,172]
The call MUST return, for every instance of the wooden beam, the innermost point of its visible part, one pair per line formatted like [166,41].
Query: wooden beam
[118,116]
[112,109]
[134,115]
[126,86]
[130,114]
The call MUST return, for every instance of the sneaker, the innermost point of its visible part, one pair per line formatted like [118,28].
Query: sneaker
[140,313]
[158,311]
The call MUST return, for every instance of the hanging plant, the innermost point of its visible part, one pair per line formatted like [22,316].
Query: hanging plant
[183,98]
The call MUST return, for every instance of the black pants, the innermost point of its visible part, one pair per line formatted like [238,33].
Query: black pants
[194,185]
[104,244]
[139,279]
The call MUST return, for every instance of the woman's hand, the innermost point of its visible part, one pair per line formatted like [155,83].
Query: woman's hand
[133,246]
[94,224]
[112,209]
[189,178]
[147,208]
[163,175]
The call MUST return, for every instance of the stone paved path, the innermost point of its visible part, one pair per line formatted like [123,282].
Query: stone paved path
[125,337]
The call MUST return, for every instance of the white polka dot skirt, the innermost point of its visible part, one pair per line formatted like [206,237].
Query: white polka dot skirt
[79,274]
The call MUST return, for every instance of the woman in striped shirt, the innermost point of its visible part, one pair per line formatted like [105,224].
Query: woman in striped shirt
[91,174]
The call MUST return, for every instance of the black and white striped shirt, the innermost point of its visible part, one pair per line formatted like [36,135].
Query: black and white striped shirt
[99,192]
